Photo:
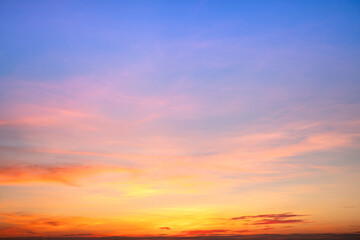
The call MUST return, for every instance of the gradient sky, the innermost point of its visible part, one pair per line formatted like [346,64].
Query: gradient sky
[179,118]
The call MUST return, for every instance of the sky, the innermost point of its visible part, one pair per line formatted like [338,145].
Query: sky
[179,118]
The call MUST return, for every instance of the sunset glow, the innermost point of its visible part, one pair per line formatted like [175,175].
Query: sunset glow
[179,118]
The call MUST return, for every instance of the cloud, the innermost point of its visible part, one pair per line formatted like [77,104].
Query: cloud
[60,174]
[204,232]
[267,228]
[351,206]
[79,235]
[28,224]
[276,216]
[277,221]
[267,219]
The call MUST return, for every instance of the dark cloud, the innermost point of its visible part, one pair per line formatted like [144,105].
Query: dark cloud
[351,206]
[277,221]
[275,216]
[53,223]
[242,231]
[267,219]
[206,237]
[79,235]
[204,232]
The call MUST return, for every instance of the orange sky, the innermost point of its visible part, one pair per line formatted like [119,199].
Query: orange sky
[179,119]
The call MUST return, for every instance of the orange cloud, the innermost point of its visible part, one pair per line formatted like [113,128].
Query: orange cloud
[26,224]
[62,174]
[32,224]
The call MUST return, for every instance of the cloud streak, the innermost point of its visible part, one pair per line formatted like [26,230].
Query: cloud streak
[60,174]
[269,219]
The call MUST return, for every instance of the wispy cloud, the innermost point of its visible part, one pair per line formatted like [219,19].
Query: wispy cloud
[268,219]
[60,174]
[204,232]
[27,224]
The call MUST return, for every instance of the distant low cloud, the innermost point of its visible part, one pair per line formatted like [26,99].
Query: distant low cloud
[277,221]
[267,219]
[165,228]
[204,232]
[28,224]
[79,235]
[281,215]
